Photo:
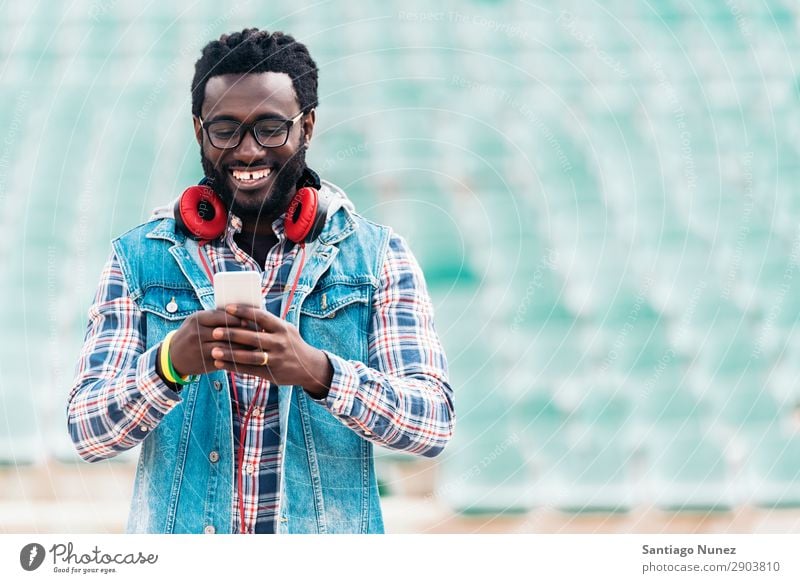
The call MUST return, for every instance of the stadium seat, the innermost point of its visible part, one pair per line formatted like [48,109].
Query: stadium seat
[607,229]
[772,471]
[688,471]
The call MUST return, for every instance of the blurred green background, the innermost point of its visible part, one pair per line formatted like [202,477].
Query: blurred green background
[603,197]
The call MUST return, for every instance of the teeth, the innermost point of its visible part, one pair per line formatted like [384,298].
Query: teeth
[248,176]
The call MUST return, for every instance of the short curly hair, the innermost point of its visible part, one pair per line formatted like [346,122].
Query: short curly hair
[257,51]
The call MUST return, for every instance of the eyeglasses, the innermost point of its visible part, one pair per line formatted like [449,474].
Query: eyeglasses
[227,134]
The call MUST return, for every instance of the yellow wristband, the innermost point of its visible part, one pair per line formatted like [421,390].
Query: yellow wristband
[164,360]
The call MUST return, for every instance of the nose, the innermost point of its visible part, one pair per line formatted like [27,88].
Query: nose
[249,149]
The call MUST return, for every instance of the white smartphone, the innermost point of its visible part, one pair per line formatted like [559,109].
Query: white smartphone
[238,287]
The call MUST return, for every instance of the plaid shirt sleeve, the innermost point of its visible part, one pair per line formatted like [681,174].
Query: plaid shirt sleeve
[117,396]
[402,399]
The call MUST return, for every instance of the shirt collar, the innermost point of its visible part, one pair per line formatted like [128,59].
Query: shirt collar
[235,227]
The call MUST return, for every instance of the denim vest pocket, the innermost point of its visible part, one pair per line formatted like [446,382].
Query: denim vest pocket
[170,303]
[327,301]
[335,317]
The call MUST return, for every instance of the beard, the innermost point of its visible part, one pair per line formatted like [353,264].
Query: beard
[255,208]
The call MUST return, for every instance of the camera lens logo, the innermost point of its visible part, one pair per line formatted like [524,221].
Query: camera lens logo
[31,556]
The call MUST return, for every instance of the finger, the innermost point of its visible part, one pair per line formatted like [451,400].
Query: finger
[240,357]
[246,338]
[256,371]
[207,349]
[211,335]
[216,318]
[263,319]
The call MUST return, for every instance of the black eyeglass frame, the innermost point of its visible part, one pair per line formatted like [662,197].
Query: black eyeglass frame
[250,127]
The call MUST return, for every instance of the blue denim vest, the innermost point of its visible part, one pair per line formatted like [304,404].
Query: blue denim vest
[328,482]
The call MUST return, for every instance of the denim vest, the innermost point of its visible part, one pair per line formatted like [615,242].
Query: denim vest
[328,482]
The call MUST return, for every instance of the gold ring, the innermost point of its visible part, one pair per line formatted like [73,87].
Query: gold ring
[266,359]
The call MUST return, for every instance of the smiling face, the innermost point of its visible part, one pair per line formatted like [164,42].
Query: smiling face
[255,182]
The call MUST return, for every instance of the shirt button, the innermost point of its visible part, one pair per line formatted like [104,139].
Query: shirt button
[144,428]
[258,412]
[284,519]
[214,457]
[249,469]
[217,386]
[367,432]
[209,529]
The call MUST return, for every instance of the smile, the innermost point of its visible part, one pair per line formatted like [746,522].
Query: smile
[251,177]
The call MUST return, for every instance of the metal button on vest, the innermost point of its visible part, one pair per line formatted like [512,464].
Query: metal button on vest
[210,529]
[284,519]
[214,457]
[172,307]
[217,386]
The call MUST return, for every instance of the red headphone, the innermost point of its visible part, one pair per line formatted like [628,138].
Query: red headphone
[201,214]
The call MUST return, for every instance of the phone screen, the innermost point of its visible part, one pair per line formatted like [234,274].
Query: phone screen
[238,287]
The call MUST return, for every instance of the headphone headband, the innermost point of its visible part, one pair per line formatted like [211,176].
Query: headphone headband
[309,178]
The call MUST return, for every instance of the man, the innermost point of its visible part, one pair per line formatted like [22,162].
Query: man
[275,433]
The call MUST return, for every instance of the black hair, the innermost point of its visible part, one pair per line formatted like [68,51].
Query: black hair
[257,51]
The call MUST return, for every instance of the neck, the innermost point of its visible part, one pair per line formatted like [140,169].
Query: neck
[256,236]
[259,224]
[260,227]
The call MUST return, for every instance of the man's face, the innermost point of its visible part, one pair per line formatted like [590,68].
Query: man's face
[246,98]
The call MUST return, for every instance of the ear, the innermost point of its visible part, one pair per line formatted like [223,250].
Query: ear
[309,120]
[198,130]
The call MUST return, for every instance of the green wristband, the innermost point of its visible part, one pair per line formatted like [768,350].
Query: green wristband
[179,379]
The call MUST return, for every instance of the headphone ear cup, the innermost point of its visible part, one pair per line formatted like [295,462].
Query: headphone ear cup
[323,202]
[200,213]
[300,214]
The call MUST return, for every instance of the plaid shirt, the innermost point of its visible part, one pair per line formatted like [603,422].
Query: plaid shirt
[400,399]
